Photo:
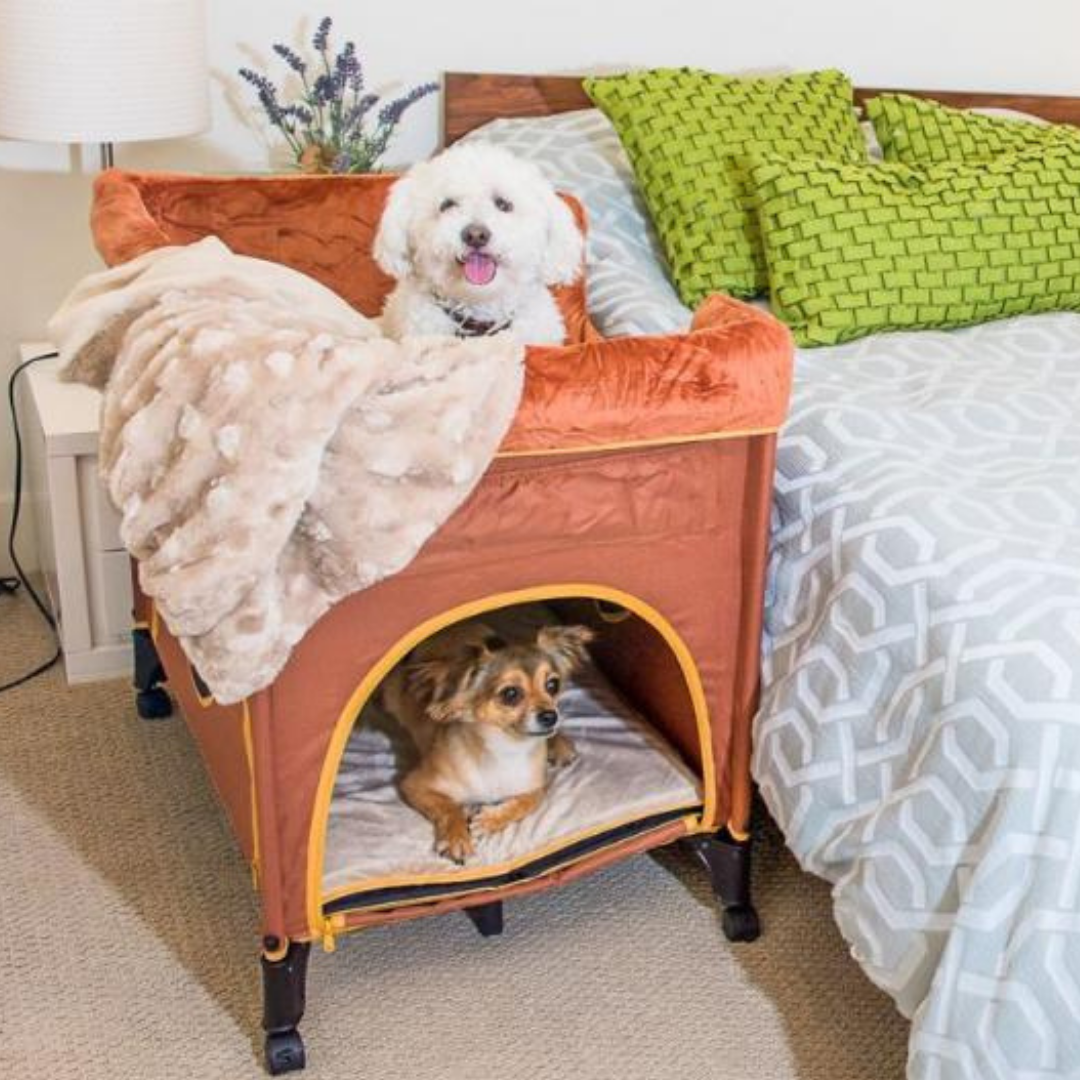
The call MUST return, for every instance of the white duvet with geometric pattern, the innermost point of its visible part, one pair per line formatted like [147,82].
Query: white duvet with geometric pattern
[919,734]
[919,737]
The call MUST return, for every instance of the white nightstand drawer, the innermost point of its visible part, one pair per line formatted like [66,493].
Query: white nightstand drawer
[102,520]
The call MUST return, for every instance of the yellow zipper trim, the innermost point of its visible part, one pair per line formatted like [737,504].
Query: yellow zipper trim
[204,702]
[249,754]
[333,926]
[370,682]
[478,873]
[633,444]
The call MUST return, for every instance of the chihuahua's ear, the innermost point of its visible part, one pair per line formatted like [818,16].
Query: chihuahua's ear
[444,685]
[392,249]
[566,645]
[492,643]
[432,680]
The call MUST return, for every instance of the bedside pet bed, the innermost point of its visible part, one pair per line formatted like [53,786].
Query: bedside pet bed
[632,491]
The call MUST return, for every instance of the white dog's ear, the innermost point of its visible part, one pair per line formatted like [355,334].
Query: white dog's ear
[391,248]
[565,247]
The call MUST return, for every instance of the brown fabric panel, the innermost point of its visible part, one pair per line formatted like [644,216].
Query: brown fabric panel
[596,861]
[270,808]
[636,658]
[218,731]
[755,522]
[656,524]
[323,226]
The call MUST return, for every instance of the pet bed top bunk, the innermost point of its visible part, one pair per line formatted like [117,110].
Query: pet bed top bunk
[593,394]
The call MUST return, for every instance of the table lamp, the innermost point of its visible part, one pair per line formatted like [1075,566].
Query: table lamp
[104,71]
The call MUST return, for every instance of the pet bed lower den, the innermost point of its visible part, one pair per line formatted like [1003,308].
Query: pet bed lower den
[631,494]
[625,780]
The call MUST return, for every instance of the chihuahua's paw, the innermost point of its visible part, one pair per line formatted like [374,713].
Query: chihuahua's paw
[455,844]
[561,752]
[489,820]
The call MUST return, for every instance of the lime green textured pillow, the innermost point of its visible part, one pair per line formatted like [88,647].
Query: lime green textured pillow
[915,130]
[688,134]
[854,250]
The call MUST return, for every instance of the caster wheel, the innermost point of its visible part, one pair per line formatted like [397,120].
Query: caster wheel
[740,923]
[284,1052]
[153,704]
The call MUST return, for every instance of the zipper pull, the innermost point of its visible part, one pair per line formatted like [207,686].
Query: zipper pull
[330,927]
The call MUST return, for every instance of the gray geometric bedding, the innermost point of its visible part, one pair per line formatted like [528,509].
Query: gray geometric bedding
[919,734]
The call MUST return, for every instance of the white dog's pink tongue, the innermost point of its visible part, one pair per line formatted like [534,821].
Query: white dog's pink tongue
[479,268]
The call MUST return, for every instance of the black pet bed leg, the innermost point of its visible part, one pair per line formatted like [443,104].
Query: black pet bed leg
[151,699]
[728,863]
[487,918]
[284,996]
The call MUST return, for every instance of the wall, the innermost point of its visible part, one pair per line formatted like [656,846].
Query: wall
[947,44]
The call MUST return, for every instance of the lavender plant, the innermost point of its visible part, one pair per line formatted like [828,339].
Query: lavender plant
[334,124]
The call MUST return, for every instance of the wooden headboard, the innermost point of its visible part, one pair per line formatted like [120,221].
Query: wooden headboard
[471,99]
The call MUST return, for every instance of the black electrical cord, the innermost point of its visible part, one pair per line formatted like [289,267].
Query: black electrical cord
[10,584]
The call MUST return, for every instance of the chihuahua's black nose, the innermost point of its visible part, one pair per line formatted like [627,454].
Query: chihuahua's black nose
[476,236]
[547,718]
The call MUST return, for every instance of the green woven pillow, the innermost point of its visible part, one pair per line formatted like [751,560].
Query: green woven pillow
[854,250]
[915,130]
[688,134]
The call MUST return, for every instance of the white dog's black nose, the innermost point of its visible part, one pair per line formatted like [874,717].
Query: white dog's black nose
[476,236]
[546,719]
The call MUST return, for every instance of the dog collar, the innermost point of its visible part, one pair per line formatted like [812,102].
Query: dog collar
[468,327]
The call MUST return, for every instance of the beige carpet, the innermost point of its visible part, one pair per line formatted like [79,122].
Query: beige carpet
[128,942]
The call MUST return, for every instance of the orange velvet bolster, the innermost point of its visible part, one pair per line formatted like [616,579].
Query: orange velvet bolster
[730,375]
[322,226]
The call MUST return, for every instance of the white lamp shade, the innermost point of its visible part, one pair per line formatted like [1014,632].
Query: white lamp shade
[75,71]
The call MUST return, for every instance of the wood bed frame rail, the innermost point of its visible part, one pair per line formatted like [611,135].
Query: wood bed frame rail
[471,99]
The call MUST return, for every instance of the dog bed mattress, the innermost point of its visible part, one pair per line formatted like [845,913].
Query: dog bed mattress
[624,774]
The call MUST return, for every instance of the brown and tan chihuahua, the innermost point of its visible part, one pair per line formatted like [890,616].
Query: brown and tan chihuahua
[484,715]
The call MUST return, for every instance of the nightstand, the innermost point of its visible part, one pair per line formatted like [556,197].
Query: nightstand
[86,569]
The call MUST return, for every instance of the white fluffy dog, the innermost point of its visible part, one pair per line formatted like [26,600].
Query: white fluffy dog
[474,238]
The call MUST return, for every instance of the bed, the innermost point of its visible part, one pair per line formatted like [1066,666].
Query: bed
[918,737]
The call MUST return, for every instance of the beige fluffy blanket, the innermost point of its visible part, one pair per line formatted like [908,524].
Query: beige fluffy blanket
[268,451]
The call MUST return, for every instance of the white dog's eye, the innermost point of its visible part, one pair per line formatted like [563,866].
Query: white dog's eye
[505,205]
[447,204]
